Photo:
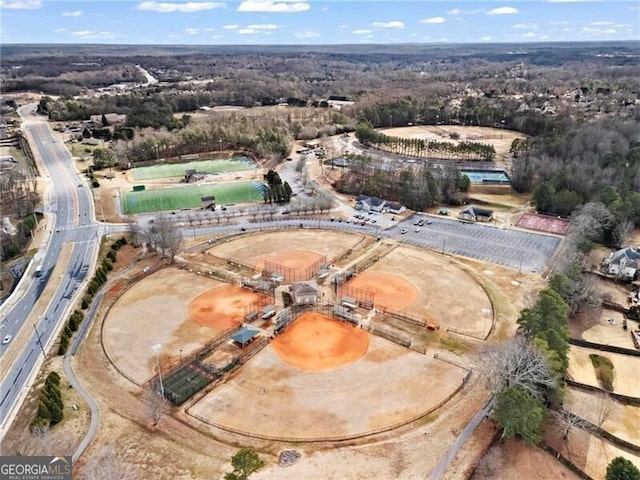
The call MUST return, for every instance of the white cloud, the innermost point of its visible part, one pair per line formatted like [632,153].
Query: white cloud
[21,4]
[189,7]
[529,35]
[362,31]
[272,7]
[82,33]
[559,22]
[454,11]
[392,24]
[59,30]
[503,11]
[606,31]
[192,31]
[525,26]
[433,20]
[565,1]
[343,27]
[324,9]
[307,34]
[487,38]
[268,26]
[231,27]
[90,34]
[601,23]
[246,31]
[209,29]
[75,13]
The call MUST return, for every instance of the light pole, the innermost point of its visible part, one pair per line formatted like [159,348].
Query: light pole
[39,341]
[180,355]
[156,348]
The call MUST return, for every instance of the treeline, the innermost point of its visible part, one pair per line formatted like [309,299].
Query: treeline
[574,164]
[265,137]
[417,186]
[14,245]
[277,191]
[417,147]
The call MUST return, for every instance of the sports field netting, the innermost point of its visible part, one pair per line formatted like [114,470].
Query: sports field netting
[189,196]
[222,165]
[487,176]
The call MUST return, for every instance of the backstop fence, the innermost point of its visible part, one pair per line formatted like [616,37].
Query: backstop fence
[293,274]
[361,297]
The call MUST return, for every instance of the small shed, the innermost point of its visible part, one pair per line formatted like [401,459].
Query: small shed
[245,335]
[476,214]
[304,292]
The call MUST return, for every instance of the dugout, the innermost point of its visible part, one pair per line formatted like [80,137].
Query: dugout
[245,335]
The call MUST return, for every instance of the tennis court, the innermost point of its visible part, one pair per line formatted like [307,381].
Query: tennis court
[494,177]
[189,196]
[170,170]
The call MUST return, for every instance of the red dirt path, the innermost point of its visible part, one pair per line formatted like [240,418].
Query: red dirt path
[222,307]
[389,291]
[318,343]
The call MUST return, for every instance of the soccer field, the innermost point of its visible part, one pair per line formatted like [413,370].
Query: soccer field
[189,197]
[170,170]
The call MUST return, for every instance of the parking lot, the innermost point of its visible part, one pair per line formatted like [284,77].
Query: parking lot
[512,248]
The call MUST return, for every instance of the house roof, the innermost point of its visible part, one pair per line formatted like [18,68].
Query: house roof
[477,211]
[394,206]
[244,335]
[627,254]
[376,202]
[305,288]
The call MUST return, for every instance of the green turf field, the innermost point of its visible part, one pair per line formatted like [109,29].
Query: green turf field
[170,170]
[189,196]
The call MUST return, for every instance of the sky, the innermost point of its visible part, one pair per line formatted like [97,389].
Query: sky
[272,22]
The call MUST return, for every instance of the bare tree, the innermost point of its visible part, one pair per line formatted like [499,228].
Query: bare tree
[602,408]
[164,237]
[517,363]
[134,231]
[566,421]
[492,464]
[155,404]
[108,465]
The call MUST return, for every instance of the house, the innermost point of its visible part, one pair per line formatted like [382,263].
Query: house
[365,202]
[395,208]
[208,202]
[476,214]
[624,263]
[304,292]
[113,119]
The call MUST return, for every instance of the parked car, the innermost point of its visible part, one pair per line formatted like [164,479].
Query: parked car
[403,231]
[417,229]
[6,339]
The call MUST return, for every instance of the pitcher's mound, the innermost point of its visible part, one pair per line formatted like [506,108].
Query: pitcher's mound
[316,342]
[222,307]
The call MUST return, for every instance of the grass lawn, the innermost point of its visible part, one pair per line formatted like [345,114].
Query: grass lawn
[170,170]
[189,197]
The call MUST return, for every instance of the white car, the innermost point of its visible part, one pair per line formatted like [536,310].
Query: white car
[417,230]
[6,339]
[403,231]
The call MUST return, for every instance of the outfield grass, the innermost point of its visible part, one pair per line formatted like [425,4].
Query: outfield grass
[170,170]
[189,197]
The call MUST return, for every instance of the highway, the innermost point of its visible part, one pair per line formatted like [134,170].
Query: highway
[69,203]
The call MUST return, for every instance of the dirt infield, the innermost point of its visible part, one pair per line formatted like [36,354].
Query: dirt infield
[390,291]
[318,343]
[250,250]
[387,386]
[155,311]
[446,294]
[289,259]
[221,307]
[543,223]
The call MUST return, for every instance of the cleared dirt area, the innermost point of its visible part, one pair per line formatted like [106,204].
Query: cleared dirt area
[513,460]
[290,259]
[390,291]
[387,386]
[602,325]
[446,294]
[155,311]
[319,343]
[625,368]
[222,307]
[250,250]
[500,138]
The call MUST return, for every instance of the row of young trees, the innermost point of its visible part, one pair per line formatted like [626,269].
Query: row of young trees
[417,186]
[15,244]
[417,147]
[50,404]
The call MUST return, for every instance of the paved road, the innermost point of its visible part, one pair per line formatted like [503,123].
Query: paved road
[70,203]
[459,442]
